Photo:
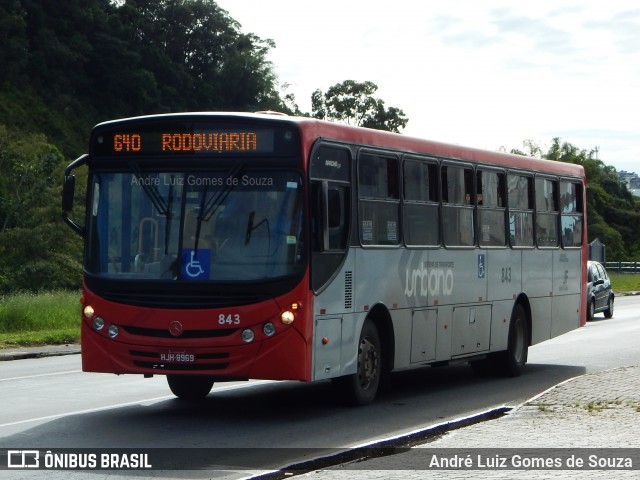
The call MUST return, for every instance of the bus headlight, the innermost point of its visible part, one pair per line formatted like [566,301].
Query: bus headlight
[112,331]
[98,323]
[248,335]
[287,317]
[269,329]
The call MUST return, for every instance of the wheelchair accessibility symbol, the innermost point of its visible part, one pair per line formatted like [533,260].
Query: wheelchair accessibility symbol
[196,264]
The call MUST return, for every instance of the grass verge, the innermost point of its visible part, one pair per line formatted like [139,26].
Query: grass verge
[625,282]
[28,319]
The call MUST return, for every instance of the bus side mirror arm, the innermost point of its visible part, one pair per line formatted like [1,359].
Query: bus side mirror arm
[68,191]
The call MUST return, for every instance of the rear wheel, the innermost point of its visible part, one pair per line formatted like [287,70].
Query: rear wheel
[189,387]
[608,313]
[513,360]
[510,362]
[361,387]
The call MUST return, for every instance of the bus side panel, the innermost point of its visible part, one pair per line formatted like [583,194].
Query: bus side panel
[461,275]
[536,267]
[504,272]
[334,322]
[567,282]
[500,318]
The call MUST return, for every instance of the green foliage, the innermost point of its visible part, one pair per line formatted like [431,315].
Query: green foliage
[353,103]
[44,311]
[47,318]
[36,251]
[624,282]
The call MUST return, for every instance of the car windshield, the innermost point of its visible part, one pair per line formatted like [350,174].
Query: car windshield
[238,225]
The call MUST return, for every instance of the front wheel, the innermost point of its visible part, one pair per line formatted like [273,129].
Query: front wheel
[190,387]
[361,387]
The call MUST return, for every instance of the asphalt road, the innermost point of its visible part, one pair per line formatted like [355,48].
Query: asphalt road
[49,403]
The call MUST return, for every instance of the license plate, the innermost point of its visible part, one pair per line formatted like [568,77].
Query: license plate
[177,357]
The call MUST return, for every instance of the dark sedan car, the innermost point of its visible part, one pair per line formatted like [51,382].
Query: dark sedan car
[600,297]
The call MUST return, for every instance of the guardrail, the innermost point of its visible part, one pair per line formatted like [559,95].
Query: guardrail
[625,267]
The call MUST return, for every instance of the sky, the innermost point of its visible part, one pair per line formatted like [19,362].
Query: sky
[480,73]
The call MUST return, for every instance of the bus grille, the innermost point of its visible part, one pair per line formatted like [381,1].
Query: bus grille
[164,333]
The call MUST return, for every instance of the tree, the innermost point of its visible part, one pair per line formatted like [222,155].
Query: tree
[28,163]
[36,251]
[353,103]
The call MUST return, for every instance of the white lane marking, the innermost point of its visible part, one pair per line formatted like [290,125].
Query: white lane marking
[40,375]
[120,405]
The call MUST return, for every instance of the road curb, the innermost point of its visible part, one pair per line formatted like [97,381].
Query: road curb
[38,352]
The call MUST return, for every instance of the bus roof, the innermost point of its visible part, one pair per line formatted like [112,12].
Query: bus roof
[312,129]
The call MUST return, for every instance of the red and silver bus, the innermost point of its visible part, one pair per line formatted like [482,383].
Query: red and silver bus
[223,247]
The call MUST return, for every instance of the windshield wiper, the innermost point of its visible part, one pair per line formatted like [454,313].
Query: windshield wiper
[150,190]
[208,209]
[251,227]
[217,200]
[164,208]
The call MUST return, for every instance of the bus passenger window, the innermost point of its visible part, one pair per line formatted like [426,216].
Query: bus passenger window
[421,215]
[378,200]
[491,208]
[571,217]
[457,206]
[546,212]
[520,210]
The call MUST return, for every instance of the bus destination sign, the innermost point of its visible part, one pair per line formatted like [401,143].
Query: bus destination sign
[145,141]
[190,142]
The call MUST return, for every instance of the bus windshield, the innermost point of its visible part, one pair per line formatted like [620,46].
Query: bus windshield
[218,226]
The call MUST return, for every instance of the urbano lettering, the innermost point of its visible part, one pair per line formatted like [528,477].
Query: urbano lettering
[425,281]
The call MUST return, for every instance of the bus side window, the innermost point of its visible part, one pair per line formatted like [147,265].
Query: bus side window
[520,210]
[420,210]
[571,216]
[330,216]
[379,199]
[546,212]
[491,208]
[457,206]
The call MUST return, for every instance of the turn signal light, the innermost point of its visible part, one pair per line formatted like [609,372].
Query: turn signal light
[88,311]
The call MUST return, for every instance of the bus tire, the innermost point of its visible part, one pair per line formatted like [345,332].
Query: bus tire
[361,387]
[190,387]
[513,360]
